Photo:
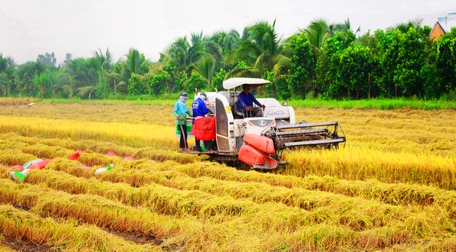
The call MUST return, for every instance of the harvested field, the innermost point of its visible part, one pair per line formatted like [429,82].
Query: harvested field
[391,188]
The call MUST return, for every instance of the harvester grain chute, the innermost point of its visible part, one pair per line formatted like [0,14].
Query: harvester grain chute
[259,141]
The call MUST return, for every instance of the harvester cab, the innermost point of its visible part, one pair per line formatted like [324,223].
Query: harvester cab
[258,141]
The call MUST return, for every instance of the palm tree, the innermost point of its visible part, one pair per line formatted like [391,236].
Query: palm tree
[118,81]
[135,64]
[103,71]
[185,54]
[404,27]
[213,46]
[25,74]
[206,68]
[317,32]
[178,53]
[227,41]
[6,63]
[61,87]
[262,52]
[7,79]
[104,59]
[83,77]
[196,50]
[344,27]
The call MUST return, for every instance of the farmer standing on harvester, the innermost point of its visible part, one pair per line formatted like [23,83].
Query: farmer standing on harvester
[200,110]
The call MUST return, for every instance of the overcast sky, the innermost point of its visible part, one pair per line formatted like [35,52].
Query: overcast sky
[81,27]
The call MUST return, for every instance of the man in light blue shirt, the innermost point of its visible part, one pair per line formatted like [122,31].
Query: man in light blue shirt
[180,112]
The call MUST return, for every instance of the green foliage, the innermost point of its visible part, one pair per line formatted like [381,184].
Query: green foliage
[317,32]
[403,56]
[410,59]
[329,80]
[137,85]
[355,65]
[47,60]
[428,75]
[262,52]
[196,81]
[450,96]
[25,74]
[310,96]
[324,60]
[217,80]
[158,83]
[302,66]
[83,75]
[205,67]
[101,90]
[444,58]
[380,104]
[44,82]
[282,88]
[387,58]
[7,81]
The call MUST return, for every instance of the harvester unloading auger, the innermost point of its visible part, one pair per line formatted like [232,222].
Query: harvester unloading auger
[259,141]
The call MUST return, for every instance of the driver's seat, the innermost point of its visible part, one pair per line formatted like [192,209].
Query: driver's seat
[236,112]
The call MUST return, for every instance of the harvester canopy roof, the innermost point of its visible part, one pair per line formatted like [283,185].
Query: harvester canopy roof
[236,82]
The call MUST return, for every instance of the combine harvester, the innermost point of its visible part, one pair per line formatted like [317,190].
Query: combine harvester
[259,142]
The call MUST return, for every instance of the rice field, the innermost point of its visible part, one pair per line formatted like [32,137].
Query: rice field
[390,188]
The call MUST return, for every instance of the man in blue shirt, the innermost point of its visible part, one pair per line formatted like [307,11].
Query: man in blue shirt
[199,109]
[246,100]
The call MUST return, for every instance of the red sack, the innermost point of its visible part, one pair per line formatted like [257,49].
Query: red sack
[74,156]
[204,128]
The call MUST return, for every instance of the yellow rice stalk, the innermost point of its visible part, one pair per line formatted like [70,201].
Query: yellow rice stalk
[185,203]
[89,209]
[5,248]
[362,164]
[22,225]
[115,132]
[15,102]
[389,189]
[446,244]
[12,157]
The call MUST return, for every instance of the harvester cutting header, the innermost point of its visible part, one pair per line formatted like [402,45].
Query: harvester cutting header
[258,136]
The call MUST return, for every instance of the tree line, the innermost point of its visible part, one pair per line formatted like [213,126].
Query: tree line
[328,61]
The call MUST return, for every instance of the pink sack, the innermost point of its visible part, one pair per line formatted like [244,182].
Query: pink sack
[83,167]
[128,158]
[19,167]
[39,165]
